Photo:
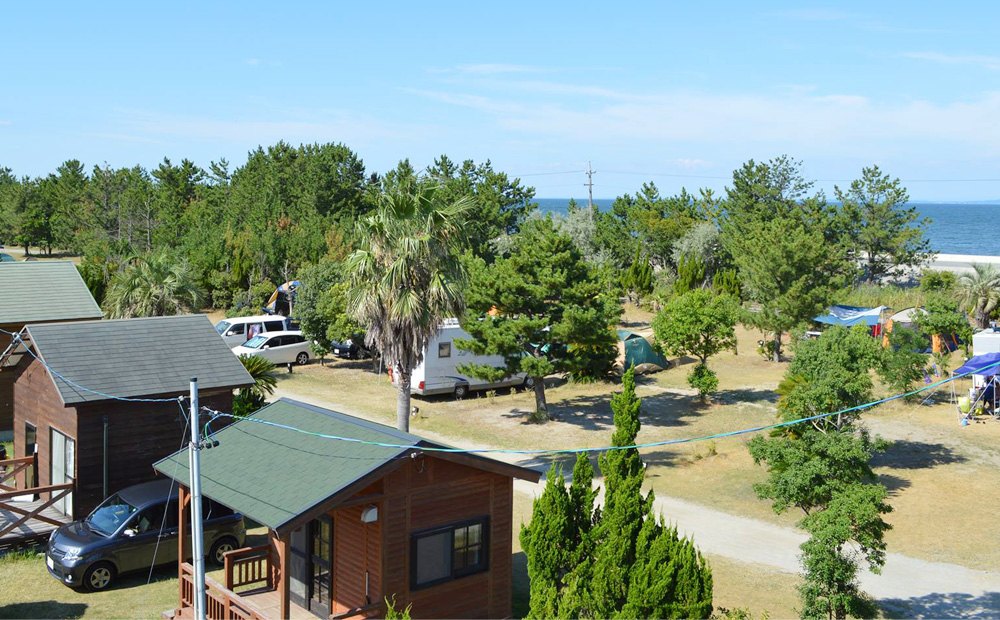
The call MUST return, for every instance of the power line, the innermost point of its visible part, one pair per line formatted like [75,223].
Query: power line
[655,444]
[542,174]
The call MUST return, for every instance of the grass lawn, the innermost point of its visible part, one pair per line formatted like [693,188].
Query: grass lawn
[30,592]
[940,474]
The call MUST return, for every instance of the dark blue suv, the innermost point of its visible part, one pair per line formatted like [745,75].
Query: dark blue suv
[134,529]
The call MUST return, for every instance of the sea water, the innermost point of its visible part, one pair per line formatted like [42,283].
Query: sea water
[955,228]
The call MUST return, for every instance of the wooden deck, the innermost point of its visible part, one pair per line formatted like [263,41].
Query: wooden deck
[268,604]
[30,529]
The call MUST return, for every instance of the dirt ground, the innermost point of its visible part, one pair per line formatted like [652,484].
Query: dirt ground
[942,476]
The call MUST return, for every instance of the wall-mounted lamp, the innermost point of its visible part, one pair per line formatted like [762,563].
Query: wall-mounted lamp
[369,514]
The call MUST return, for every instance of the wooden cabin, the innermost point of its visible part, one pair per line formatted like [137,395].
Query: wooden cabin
[350,524]
[37,292]
[99,443]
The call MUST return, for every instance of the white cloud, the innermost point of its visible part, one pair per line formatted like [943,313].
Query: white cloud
[986,62]
[835,123]
[3,122]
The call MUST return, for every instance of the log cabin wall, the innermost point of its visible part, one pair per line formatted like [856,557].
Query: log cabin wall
[429,492]
[7,382]
[37,402]
[8,375]
[139,434]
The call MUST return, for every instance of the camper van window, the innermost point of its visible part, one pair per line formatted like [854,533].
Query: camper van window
[444,349]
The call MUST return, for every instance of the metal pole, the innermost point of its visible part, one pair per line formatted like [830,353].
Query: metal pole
[197,534]
[105,487]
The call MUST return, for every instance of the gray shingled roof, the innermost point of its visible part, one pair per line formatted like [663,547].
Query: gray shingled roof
[273,475]
[36,291]
[137,357]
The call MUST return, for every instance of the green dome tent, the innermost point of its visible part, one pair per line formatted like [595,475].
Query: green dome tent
[639,352]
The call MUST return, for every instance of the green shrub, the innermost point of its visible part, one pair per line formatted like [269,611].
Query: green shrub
[703,379]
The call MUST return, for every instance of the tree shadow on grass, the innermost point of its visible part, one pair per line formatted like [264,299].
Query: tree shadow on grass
[907,454]
[894,484]
[520,587]
[593,413]
[44,609]
[746,395]
[943,605]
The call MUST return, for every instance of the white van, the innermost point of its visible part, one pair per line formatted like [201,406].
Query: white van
[438,373]
[238,329]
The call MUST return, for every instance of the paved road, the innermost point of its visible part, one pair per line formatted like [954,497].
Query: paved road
[908,587]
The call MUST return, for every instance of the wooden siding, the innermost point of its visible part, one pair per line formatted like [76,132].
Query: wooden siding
[139,434]
[9,375]
[357,549]
[425,493]
[37,402]
[7,382]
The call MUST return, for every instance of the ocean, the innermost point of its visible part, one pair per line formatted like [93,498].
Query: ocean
[955,228]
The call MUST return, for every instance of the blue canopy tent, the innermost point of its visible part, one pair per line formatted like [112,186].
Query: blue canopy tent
[982,397]
[985,365]
[851,315]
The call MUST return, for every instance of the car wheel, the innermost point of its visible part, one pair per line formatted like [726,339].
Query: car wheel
[460,391]
[302,359]
[221,547]
[99,577]
[529,383]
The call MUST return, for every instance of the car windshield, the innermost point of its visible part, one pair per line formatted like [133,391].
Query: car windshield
[256,342]
[108,517]
[222,327]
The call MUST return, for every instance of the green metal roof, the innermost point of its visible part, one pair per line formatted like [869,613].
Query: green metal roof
[272,475]
[136,357]
[32,292]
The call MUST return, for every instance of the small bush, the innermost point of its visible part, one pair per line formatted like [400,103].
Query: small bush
[704,380]
[932,280]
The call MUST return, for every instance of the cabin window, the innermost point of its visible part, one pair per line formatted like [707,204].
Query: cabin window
[444,349]
[449,552]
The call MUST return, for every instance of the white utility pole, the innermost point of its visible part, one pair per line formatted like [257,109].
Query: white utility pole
[197,531]
[590,190]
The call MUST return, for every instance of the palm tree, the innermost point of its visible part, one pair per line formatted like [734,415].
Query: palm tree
[252,398]
[980,292]
[407,276]
[156,284]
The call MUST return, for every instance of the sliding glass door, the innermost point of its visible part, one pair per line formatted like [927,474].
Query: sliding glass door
[62,450]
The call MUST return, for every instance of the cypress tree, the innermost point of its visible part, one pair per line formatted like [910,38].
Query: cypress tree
[624,506]
[547,543]
[690,274]
[619,562]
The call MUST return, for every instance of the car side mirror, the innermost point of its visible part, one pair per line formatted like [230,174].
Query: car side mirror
[129,532]
[266,347]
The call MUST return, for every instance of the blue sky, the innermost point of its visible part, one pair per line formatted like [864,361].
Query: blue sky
[642,91]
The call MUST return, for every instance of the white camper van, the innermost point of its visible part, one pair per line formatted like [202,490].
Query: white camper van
[438,373]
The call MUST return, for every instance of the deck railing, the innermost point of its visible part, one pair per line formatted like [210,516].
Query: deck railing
[10,468]
[249,566]
[220,603]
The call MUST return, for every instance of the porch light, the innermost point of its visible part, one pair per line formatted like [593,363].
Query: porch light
[369,514]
